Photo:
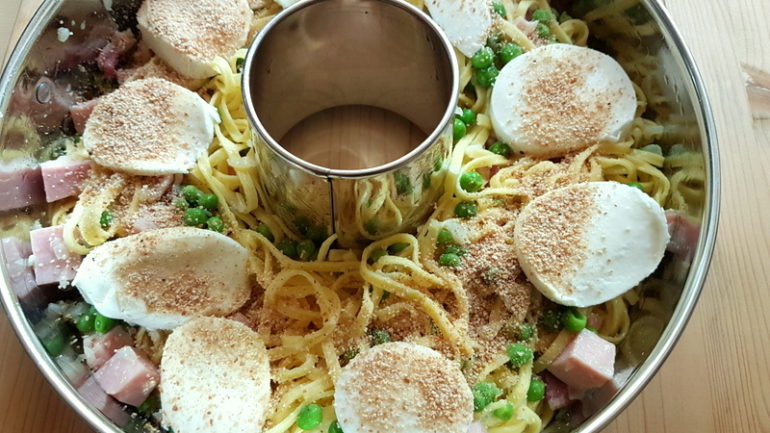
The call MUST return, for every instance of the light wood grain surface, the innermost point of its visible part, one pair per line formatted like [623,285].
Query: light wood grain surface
[718,377]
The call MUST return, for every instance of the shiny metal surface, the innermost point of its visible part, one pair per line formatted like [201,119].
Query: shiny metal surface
[32,117]
[321,54]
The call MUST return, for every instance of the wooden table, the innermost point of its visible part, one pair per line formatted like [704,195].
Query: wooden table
[718,377]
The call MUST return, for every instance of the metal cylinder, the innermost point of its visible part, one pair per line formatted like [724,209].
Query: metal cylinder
[321,54]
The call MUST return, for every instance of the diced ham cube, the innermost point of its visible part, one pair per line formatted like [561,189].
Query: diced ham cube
[684,234]
[54,263]
[597,399]
[112,53]
[128,376]
[21,184]
[20,276]
[94,394]
[63,177]
[72,367]
[99,348]
[80,113]
[595,321]
[556,392]
[587,362]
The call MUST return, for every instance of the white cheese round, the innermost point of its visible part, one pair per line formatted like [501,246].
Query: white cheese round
[585,244]
[561,98]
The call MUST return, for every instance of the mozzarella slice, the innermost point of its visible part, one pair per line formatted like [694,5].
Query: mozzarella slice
[402,387]
[467,24]
[214,378]
[162,278]
[150,127]
[585,244]
[561,98]
[189,35]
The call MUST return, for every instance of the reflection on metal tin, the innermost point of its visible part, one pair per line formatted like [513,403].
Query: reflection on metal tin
[352,190]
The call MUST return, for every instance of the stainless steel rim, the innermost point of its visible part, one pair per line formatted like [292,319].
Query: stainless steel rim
[349,174]
[638,381]
[707,238]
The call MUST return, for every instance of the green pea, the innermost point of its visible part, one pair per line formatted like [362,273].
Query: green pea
[509,52]
[468,117]
[105,220]
[484,393]
[466,209]
[459,129]
[487,77]
[103,324]
[372,226]
[495,42]
[55,343]
[377,254]
[449,259]
[526,332]
[501,149]
[483,58]
[335,427]
[471,181]
[455,249]
[505,412]
[191,194]
[215,224]
[544,16]
[289,248]
[543,30]
[181,204]
[403,184]
[564,17]
[307,251]
[426,181]
[499,9]
[303,225]
[150,405]
[573,321]
[239,64]
[551,321]
[264,230]
[195,217]
[310,417]
[637,185]
[536,390]
[519,354]
[317,234]
[379,336]
[445,237]
[209,201]
[85,322]
[438,164]
[398,247]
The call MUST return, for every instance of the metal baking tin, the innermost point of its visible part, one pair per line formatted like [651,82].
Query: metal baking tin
[693,123]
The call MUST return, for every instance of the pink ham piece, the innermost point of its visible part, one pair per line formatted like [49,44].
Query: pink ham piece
[99,348]
[586,363]
[112,53]
[54,263]
[80,113]
[597,399]
[556,392]
[94,394]
[63,177]
[21,184]
[20,276]
[128,376]
[684,234]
